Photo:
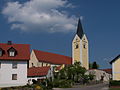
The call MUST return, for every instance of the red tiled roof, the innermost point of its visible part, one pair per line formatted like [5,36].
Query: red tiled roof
[23,51]
[52,58]
[38,71]
[107,70]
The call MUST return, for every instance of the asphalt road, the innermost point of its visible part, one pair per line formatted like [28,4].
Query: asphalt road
[92,87]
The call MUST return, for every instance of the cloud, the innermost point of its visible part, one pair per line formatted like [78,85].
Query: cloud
[81,18]
[40,16]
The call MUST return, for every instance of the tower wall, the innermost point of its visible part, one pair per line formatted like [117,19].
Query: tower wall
[80,47]
[85,52]
[76,51]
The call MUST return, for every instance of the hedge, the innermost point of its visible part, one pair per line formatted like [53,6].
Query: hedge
[114,83]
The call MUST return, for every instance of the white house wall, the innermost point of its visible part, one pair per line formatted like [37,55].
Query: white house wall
[6,72]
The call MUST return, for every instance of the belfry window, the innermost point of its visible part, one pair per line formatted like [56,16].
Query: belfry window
[84,45]
[77,46]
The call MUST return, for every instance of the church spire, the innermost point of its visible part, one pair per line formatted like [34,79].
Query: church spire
[80,29]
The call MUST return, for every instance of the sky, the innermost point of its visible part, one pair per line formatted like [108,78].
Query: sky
[50,25]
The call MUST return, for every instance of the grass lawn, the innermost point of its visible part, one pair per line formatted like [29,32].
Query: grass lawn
[114,89]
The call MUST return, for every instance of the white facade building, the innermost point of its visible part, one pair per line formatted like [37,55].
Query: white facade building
[99,74]
[13,73]
[13,64]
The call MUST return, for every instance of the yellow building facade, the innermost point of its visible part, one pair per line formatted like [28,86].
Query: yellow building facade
[42,59]
[116,68]
[34,62]
[80,47]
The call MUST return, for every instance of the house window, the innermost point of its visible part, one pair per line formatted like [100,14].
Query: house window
[14,76]
[14,65]
[32,65]
[47,64]
[38,64]
[42,65]
[12,53]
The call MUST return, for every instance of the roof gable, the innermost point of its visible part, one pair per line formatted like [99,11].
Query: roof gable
[115,59]
[11,49]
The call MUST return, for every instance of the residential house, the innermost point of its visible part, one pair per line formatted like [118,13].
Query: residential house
[13,64]
[100,75]
[116,68]
[109,71]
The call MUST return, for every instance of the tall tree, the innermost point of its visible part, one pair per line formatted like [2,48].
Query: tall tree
[95,65]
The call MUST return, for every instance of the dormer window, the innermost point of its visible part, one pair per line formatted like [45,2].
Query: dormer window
[1,52]
[11,52]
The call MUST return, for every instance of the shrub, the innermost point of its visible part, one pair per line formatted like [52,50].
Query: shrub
[85,79]
[91,77]
[38,87]
[114,83]
[62,83]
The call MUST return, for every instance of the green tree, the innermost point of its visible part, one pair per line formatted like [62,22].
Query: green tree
[90,65]
[74,73]
[95,65]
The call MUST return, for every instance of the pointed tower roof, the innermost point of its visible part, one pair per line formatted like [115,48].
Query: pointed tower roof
[80,32]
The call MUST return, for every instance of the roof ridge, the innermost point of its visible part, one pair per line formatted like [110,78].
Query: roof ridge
[115,59]
[50,53]
[52,58]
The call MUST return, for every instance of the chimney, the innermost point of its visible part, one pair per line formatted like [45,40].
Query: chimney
[9,42]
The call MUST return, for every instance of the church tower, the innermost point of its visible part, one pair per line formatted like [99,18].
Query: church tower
[80,47]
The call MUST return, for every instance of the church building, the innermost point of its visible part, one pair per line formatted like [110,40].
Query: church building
[80,47]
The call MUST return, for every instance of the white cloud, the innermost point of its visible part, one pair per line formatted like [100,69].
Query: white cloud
[39,16]
[81,17]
